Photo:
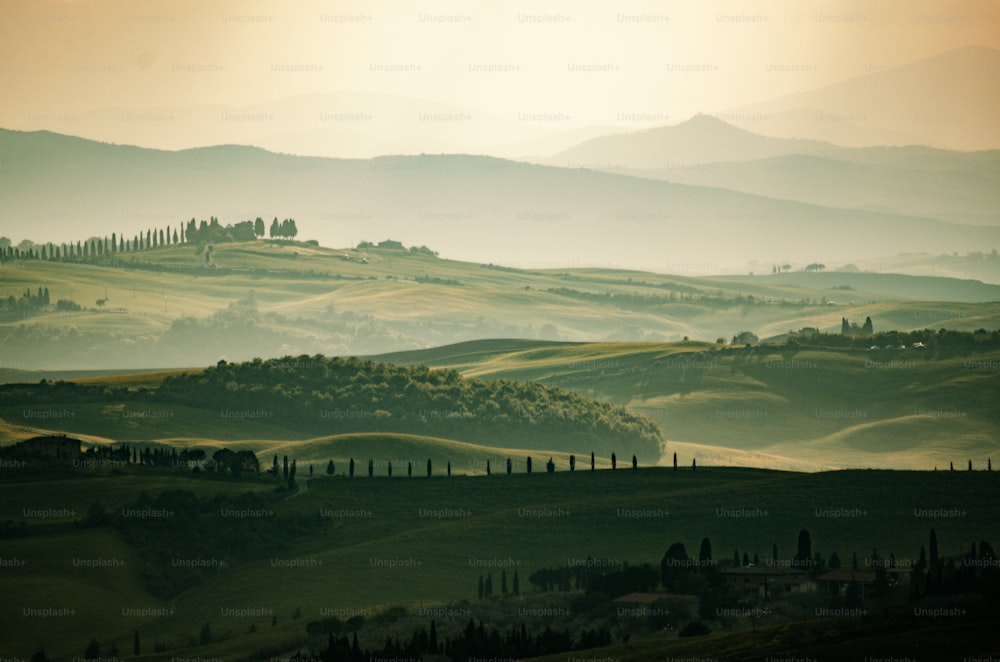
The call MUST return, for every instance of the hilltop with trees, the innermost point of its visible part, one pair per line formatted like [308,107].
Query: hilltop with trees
[321,395]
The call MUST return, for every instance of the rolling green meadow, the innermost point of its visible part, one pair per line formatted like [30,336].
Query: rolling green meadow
[499,332]
[864,447]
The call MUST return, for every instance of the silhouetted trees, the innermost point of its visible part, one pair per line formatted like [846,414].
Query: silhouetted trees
[804,549]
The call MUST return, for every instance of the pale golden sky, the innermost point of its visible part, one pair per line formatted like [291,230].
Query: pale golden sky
[564,65]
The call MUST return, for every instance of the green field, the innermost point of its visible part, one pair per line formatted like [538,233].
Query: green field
[526,521]
[164,309]
[803,409]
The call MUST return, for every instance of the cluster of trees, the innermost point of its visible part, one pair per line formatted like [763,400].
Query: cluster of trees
[213,232]
[93,247]
[474,642]
[393,245]
[785,268]
[486,586]
[940,339]
[369,396]
[28,301]
[31,302]
[852,329]
[193,232]
[975,572]
[933,575]
[597,578]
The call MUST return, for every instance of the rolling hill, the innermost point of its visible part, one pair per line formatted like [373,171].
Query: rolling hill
[309,396]
[516,212]
[264,299]
[795,408]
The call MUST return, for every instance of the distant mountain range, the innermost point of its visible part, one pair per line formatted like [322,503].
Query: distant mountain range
[705,151]
[339,124]
[948,101]
[60,188]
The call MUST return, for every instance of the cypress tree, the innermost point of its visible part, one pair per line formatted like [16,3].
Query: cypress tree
[705,552]
[804,552]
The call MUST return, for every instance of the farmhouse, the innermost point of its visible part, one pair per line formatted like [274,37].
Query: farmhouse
[770,582]
[839,580]
[55,448]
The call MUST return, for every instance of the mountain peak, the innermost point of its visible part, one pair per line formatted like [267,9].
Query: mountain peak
[699,140]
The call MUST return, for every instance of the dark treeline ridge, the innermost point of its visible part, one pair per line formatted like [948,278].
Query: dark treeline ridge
[321,395]
[948,340]
[333,395]
[474,642]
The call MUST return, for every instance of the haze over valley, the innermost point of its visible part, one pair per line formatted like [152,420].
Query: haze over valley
[453,332]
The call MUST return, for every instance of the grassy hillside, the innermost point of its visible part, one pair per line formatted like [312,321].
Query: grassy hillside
[801,408]
[571,214]
[267,299]
[798,408]
[527,522]
[318,395]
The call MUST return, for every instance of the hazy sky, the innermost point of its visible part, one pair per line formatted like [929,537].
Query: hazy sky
[565,64]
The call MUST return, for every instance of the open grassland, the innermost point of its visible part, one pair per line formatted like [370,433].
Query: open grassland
[798,408]
[421,542]
[163,308]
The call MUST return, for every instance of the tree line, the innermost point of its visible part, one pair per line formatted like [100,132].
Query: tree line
[336,395]
[192,232]
[321,396]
